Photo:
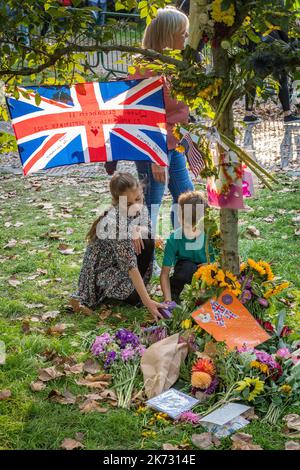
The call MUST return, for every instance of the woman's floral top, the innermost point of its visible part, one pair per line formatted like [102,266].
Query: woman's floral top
[108,260]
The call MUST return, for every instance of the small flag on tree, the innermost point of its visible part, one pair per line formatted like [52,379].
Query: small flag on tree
[193,155]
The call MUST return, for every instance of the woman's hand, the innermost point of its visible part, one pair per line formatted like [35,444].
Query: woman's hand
[153,307]
[137,240]
[159,173]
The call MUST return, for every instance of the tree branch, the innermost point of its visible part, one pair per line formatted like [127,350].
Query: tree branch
[73,48]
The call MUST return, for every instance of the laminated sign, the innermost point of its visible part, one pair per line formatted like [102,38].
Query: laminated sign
[226,319]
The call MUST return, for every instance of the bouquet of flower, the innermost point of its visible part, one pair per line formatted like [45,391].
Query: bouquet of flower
[120,353]
[259,285]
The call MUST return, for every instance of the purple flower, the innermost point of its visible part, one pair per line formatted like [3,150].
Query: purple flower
[127,353]
[246,295]
[263,302]
[266,358]
[189,417]
[140,349]
[213,386]
[125,337]
[100,343]
[110,358]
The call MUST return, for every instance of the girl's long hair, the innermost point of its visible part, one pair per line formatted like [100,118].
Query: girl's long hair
[119,184]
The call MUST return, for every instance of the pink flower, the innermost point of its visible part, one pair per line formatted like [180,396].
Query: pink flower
[189,417]
[284,353]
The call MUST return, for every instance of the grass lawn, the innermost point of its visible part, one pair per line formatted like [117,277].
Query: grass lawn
[37,278]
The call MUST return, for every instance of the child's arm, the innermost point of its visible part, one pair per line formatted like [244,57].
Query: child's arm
[165,282]
[149,303]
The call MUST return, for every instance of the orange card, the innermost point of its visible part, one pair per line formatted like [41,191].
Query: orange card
[226,319]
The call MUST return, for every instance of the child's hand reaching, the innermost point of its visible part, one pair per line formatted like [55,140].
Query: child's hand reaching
[153,308]
[137,240]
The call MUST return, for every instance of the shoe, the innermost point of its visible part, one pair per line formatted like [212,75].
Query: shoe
[291,119]
[253,119]
[156,270]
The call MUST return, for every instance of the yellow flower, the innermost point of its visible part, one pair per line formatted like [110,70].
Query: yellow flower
[255,385]
[225,16]
[209,274]
[197,328]
[186,324]
[276,290]
[141,409]
[220,276]
[267,268]
[176,133]
[148,434]
[243,267]
[256,267]
[286,389]
[180,148]
[260,366]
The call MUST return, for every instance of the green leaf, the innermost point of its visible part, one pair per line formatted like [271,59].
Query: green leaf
[37,98]
[144,12]
[142,4]
[253,37]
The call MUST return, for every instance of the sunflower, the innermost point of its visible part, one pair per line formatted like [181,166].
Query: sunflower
[267,268]
[201,380]
[255,386]
[180,148]
[243,267]
[256,267]
[276,290]
[209,275]
[176,133]
[204,365]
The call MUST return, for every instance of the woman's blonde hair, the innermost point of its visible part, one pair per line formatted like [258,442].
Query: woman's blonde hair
[119,184]
[159,34]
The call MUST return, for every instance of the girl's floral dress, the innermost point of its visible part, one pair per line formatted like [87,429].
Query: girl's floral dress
[108,260]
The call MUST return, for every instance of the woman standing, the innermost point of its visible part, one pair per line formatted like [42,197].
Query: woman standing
[169,29]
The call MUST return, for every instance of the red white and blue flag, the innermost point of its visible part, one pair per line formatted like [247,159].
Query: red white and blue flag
[90,122]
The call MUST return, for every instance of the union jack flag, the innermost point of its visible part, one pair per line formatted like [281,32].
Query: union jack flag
[90,122]
[193,155]
[220,311]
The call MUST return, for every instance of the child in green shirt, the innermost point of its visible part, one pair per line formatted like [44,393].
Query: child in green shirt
[185,248]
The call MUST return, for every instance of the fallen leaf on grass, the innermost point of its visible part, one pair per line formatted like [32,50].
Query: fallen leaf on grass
[292,421]
[5,394]
[250,415]
[50,373]
[74,369]
[292,445]
[77,307]
[57,330]
[79,436]
[13,281]
[105,314]
[50,315]
[37,386]
[269,219]
[243,441]
[296,220]
[65,249]
[92,384]
[252,232]
[91,405]
[11,243]
[71,444]
[297,231]
[65,398]
[25,327]
[206,440]
[34,305]
[91,366]
[168,446]
[94,396]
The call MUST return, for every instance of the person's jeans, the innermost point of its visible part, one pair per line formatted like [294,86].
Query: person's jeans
[179,182]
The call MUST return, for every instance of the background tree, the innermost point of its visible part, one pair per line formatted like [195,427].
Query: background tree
[42,42]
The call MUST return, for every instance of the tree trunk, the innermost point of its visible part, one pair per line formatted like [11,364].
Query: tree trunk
[228,217]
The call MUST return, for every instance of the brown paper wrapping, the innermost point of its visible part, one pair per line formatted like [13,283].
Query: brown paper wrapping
[160,364]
